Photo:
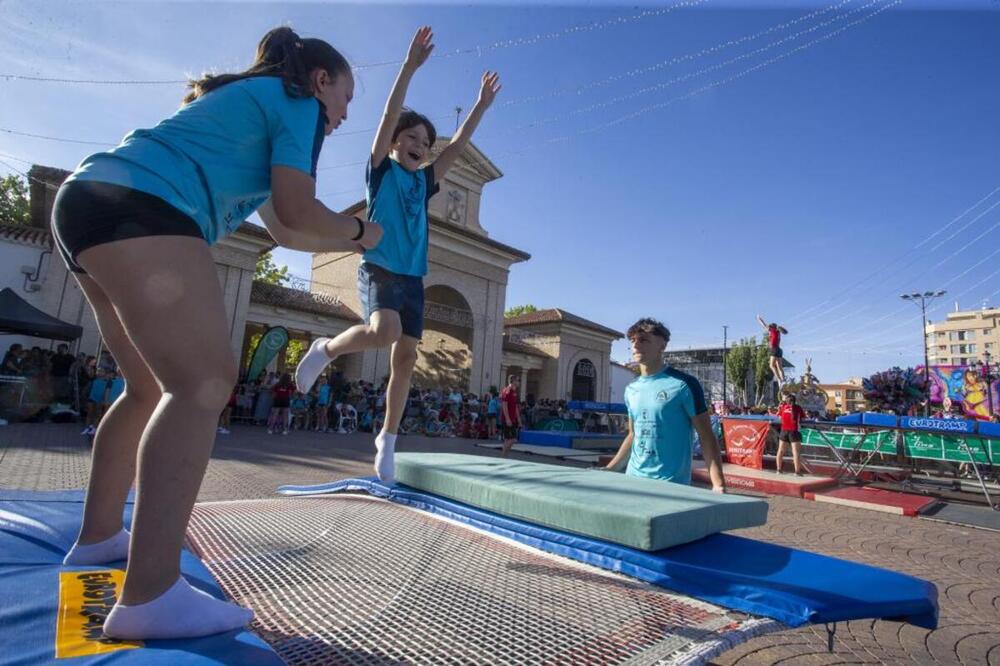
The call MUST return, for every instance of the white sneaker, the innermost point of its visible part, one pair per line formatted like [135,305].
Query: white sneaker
[270,432]
[341,431]
[223,431]
[284,432]
[85,431]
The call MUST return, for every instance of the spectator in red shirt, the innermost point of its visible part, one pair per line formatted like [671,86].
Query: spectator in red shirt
[791,415]
[279,408]
[510,413]
[774,333]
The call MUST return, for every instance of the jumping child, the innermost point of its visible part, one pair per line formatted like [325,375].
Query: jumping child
[401,178]
[774,333]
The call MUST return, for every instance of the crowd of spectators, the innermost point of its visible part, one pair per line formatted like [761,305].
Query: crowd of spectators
[337,404]
[57,382]
[82,387]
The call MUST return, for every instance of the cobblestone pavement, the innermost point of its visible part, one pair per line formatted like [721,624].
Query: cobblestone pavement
[964,563]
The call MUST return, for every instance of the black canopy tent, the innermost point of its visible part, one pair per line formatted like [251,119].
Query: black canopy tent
[17,316]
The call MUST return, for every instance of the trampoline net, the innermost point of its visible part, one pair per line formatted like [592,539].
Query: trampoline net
[351,579]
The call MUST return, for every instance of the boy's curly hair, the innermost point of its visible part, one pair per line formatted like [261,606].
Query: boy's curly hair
[649,326]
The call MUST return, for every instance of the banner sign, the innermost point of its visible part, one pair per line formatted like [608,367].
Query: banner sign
[745,441]
[923,445]
[925,423]
[884,441]
[949,448]
[267,348]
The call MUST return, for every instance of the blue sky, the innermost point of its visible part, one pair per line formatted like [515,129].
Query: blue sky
[806,160]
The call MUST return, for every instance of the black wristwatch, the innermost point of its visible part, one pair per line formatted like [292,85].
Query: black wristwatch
[361,228]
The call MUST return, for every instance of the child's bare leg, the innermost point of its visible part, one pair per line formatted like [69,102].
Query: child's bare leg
[382,331]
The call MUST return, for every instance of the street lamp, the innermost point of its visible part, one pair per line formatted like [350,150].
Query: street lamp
[924,299]
[725,402]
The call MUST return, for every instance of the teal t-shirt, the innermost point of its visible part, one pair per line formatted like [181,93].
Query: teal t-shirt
[661,408]
[117,388]
[212,159]
[98,387]
[397,201]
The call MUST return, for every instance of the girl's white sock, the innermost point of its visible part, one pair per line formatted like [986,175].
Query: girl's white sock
[102,552]
[180,612]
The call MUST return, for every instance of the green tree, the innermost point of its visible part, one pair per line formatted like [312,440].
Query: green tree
[520,310]
[268,271]
[761,370]
[14,205]
[739,360]
[294,352]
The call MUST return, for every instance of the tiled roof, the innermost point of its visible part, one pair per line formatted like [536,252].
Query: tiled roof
[25,235]
[296,299]
[252,229]
[522,348]
[558,316]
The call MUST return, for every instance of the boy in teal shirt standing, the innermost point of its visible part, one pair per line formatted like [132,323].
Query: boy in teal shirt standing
[665,407]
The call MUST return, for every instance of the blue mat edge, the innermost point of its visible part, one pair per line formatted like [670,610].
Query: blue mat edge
[670,568]
[214,649]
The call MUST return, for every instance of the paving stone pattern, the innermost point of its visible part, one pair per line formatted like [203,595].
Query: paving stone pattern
[963,562]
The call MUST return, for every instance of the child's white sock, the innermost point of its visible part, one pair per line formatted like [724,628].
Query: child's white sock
[312,364]
[385,457]
[180,612]
[102,552]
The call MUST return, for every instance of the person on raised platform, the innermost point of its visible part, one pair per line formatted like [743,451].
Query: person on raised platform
[774,333]
[791,416]
[664,407]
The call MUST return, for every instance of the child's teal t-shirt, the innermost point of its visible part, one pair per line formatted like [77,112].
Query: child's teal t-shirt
[97,390]
[117,388]
[397,201]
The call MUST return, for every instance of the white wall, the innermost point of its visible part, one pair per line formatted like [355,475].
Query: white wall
[620,378]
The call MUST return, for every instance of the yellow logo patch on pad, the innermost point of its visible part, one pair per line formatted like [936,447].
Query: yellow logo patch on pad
[85,599]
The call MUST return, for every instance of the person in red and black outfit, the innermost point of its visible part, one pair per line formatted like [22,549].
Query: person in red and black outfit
[279,408]
[791,415]
[774,333]
[510,412]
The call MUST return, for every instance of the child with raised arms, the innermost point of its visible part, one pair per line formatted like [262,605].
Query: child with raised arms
[400,181]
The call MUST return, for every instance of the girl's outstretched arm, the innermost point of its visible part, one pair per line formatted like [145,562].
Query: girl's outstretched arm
[420,50]
[760,320]
[488,89]
[298,220]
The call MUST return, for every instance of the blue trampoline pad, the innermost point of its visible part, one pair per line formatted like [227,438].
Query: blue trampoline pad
[53,614]
[793,586]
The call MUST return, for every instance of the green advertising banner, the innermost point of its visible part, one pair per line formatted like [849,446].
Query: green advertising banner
[923,445]
[883,440]
[267,348]
[933,446]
